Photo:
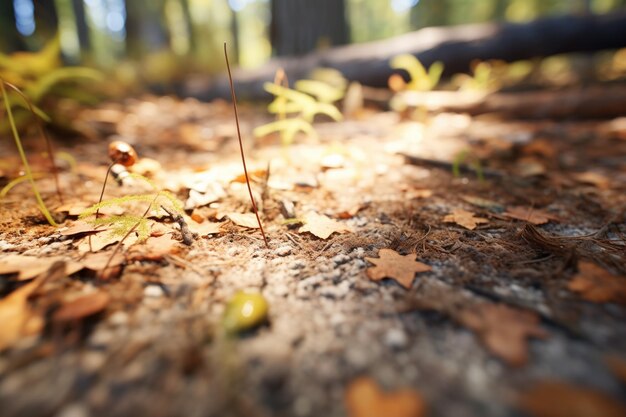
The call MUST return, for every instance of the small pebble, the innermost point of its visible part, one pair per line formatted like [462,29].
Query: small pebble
[153,291]
[396,338]
[341,259]
[283,251]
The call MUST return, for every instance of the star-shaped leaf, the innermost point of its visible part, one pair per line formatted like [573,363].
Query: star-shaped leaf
[464,218]
[598,285]
[401,268]
[322,226]
[530,215]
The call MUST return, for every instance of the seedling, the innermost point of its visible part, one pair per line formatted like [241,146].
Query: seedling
[420,80]
[296,108]
[28,176]
[37,74]
[474,163]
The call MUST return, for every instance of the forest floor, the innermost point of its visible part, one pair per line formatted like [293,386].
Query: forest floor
[503,296]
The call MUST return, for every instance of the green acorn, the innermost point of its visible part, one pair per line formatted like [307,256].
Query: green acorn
[245,311]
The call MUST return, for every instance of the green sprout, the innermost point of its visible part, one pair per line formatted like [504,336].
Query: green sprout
[421,79]
[474,164]
[295,109]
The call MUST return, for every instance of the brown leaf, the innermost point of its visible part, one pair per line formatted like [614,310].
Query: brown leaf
[598,285]
[205,228]
[391,264]
[256,175]
[503,330]
[155,248]
[244,219]
[97,261]
[28,267]
[464,218]
[322,226]
[530,215]
[80,228]
[82,307]
[482,202]
[16,315]
[560,399]
[364,398]
[593,178]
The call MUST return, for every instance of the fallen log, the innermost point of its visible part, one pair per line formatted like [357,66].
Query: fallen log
[456,47]
[593,102]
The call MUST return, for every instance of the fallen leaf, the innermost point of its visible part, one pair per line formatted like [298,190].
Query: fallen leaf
[244,219]
[17,317]
[205,228]
[72,209]
[503,330]
[401,268]
[560,399]
[363,398]
[98,260]
[80,228]
[154,248]
[530,215]
[464,218]
[415,194]
[256,175]
[28,267]
[322,226]
[84,306]
[593,178]
[598,285]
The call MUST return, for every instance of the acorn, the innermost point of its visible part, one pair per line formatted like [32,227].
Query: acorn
[122,153]
[245,311]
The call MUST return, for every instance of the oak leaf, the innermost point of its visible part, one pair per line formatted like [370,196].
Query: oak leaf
[401,268]
[559,399]
[322,226]
[363,398]
[464,218]
[598,285]
[530,215]
[503,330]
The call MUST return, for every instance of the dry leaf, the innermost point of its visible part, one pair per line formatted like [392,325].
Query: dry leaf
[16,315]
[72,209]
[244,219]
[464,218]
[364,398]
[28,267]
[530,215]
[97,261]
[82,307]
[593,178]
[503,330]
[205,228]
[155,248]
[256,175]
[79,228]
[322,226]
[560,399]
[598,285]
[401,268]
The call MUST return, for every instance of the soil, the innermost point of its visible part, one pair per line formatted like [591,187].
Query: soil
[157,348]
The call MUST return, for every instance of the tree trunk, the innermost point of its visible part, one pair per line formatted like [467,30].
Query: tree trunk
[82,28]
[456,47]
[301,26]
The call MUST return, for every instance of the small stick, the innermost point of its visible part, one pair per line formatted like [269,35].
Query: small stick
[243,158]
[184,229]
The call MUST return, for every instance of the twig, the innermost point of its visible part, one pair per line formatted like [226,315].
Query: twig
[243,158]
[448,166]
[184,229]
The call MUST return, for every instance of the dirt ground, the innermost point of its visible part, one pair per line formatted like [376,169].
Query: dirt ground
[520,311]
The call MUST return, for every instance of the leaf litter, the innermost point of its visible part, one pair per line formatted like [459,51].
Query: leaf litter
[512,276]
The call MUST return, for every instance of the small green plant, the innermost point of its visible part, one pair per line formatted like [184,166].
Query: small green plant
[295,109]
[40,75]
[420,79]
[28,174]
[474,165]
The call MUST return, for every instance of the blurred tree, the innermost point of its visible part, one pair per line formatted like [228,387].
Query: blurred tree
[10,39]
[82,28]
[430,13]
[146,30]
[301,26]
